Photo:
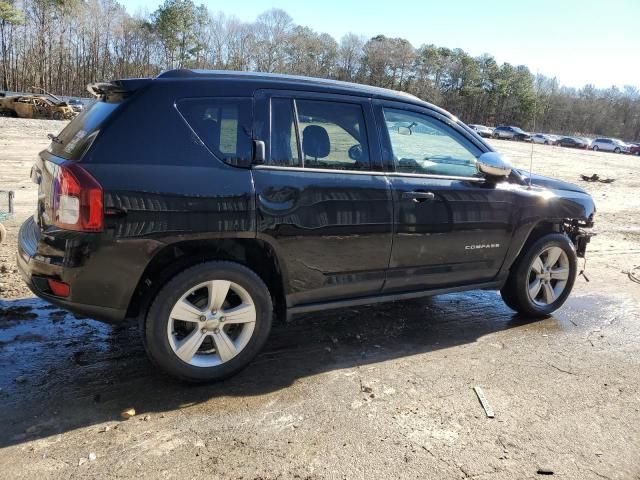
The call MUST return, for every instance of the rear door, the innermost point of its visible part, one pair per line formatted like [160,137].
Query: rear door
[451,226]
[322,199]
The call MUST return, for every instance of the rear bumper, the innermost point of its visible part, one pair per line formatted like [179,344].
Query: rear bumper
[37,268]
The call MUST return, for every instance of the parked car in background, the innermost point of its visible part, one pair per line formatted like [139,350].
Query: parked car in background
[163,202]
[544,138]
[610,145]
[573,142]
[482,130]
[75,104]
[511,133]
[635,149]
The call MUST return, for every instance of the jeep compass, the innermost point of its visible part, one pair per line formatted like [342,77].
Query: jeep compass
[205,204]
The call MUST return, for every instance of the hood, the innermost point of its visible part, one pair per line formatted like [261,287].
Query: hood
[550,183]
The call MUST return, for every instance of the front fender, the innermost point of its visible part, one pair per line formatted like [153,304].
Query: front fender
[550,209]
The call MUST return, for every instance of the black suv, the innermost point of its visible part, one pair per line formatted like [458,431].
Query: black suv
[206,203]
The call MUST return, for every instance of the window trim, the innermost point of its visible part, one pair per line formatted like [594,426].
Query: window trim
[371,173]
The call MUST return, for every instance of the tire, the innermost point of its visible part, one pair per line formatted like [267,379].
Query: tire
[616,150]
[58,116]
[546,142]
[596,148]
[552,291]
[164,337]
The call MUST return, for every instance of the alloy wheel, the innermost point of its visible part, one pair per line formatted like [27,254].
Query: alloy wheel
[548,276]
[211,323]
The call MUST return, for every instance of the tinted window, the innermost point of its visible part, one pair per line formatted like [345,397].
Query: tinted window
[284,142]
[223,124]
[421,144]
[78,135]
[332,135]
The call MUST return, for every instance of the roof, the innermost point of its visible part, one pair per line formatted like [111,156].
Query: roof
[297,81]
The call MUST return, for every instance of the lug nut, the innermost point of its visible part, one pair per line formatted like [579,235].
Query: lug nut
[203,318]
[204,330]
[222,319]
[217,330]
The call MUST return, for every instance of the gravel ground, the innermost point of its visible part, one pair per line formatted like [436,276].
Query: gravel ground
[376,392]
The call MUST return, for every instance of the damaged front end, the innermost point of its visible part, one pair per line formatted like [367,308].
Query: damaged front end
[575,230]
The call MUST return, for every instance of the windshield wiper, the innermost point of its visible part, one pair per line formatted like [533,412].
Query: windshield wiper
[54,138]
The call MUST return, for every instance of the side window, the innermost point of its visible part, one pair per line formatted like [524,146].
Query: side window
[284,141]
[332,135]
[421,144]
[223,124]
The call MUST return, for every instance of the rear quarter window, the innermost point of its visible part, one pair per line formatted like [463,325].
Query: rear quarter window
[223,125]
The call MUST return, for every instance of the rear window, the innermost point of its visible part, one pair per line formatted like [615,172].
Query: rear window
[223,125]
[76,137]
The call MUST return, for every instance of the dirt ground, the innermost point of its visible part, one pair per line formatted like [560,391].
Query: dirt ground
[377,392]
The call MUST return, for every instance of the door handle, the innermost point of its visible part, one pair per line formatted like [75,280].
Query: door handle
[419,196]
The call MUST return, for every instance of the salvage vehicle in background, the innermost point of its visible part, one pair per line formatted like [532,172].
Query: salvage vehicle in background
[573,142]
[482,130]
[35,106]
[204,204]
[544,138]
[610,145]
[634,149]
[511,133]
[75,104]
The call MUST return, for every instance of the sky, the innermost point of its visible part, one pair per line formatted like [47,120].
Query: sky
[579,42]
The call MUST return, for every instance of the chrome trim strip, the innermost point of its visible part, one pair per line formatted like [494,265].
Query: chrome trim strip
[356,172]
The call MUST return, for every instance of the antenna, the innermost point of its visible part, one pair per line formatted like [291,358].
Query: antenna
[535,114]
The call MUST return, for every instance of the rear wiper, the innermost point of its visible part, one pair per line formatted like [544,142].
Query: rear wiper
[54,138]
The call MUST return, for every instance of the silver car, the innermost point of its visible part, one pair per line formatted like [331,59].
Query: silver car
[544,138]
[609,145]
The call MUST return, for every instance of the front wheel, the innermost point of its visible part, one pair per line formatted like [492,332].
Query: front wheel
[616,150]
[596,148]
[208,322]
[542,278]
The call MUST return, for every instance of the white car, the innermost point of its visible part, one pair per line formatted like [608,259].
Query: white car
[544,138]
[609,145]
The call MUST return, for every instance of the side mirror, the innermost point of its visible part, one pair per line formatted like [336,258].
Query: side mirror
[494,165]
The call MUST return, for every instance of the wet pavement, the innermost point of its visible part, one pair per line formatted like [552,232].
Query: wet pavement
[385,388]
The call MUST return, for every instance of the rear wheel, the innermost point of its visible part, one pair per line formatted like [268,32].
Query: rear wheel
[208,322]
[616,150]
[596,148]
[542,278]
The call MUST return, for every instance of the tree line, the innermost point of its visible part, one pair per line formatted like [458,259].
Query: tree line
[62,45]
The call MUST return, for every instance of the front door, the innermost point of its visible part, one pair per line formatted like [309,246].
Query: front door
[452,227]
[322,200]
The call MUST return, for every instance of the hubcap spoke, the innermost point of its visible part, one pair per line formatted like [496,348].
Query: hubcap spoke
[549,294]
[243,313]
[534,288]
[188,347]
[553,254]
[218,290]
[560,273]
[537,266]
[224,345]
[185,311]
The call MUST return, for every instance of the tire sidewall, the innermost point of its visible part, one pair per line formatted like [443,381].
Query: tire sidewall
[522,274]
[155,326]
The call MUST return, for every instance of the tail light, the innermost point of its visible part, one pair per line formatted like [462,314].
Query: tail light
[77,199]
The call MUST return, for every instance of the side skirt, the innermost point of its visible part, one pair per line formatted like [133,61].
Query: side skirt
[394,297]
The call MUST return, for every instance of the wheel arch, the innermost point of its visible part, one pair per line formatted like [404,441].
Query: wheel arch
[174,258]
